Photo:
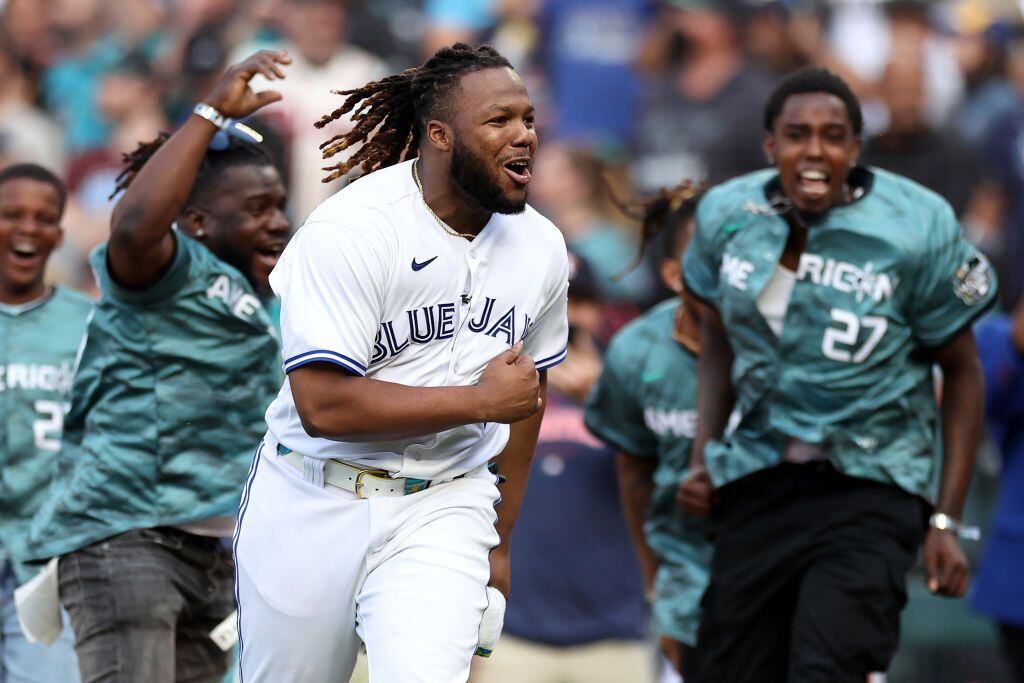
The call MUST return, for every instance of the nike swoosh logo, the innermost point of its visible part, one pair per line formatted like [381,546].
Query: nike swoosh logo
[651,376]
[421,266]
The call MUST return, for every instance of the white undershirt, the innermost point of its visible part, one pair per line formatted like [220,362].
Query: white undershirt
[774,299]
[773,304]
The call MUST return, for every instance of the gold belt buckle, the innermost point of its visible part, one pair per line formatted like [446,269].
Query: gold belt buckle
[379,474]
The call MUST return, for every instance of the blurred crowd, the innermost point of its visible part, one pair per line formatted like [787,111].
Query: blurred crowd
[631,95]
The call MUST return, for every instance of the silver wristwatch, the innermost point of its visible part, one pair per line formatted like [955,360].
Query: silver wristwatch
[207,112]
[944,522]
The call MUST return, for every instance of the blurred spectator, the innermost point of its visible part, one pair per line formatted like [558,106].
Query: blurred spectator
[937,159]
[577,610]
[700,118]
[867,36]
[569,190]
[997,587]
[981,54]
[314,34]
[588,52]
[1004,162]
[29,133]
[27,28]
[768,37]
[95,37]
[455,21]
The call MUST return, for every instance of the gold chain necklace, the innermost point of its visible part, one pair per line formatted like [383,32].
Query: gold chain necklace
[447,228]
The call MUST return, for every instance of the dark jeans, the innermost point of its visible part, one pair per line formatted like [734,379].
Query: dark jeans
[808,577]
[142,605]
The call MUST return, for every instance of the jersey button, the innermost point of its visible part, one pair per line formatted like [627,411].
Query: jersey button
[472,253]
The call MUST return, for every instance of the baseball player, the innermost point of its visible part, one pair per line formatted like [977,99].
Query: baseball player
[645,406]
[41,328]
[830,290]
[420,308]
[179,364]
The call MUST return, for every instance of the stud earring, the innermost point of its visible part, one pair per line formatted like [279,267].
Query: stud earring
[200,234]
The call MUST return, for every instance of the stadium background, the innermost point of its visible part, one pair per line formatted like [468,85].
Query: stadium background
[650,91]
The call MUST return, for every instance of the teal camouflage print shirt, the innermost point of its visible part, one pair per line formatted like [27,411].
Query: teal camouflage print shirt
[881,280]
[645,405]
[38,344]
[167,404]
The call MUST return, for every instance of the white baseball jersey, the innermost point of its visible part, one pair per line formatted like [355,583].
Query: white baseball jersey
[373,284]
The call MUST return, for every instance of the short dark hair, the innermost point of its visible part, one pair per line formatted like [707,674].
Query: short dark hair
[811,80]
[38,173]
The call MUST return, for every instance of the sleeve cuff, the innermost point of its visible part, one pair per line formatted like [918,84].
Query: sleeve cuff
[348,364]
[961,325]
[551,361]
[618,441]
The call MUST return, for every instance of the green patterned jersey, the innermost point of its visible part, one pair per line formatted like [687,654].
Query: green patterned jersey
[167,404]
[38,344]
[645,405]
[880,281]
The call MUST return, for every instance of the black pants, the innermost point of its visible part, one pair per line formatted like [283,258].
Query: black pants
[808,577]
[1012,638]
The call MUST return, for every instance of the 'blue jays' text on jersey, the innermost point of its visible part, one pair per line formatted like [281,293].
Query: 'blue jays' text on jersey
[167,403]
[880,281]
[38,344]
[645,405]
[372,284]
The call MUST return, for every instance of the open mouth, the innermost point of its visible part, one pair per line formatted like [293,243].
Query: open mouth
[518,170]
[268,256]
[25,253]
[813,183]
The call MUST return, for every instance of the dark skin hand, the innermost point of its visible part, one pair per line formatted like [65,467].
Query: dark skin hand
[963,407]
[141,245]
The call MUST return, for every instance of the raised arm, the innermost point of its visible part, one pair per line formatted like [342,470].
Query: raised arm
[962,405]
[339,406]
[715,401]
[141,246]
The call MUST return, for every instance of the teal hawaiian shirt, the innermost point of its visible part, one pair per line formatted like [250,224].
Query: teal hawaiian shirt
[38,344]
[881,280]
[167,404]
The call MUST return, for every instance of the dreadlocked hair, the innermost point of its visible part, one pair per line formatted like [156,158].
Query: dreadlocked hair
[215,162]
[389,114]
[663,215]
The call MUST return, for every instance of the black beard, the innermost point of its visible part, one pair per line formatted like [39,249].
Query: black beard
[472,175]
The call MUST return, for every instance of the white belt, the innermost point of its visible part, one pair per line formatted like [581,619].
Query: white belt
[365,483]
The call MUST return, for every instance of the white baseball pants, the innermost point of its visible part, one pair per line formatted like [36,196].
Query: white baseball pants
[319,569]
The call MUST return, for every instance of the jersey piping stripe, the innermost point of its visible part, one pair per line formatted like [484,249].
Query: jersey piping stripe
[320,355]
[243,506]
[544,363]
